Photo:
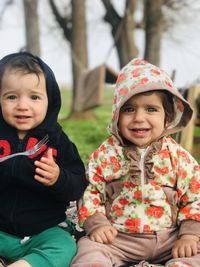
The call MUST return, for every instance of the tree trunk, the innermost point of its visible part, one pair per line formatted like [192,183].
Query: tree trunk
[122,30]
[79,51]
[32,27]
[153,30]
[74,30]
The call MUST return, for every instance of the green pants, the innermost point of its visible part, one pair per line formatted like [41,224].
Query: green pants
[53,247]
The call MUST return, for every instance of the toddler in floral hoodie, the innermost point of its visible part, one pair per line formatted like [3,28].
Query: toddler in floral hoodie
[143,198]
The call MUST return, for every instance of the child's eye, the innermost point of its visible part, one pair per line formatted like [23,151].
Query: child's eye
[127,109]
[11,97]
[151,109]
[34,97]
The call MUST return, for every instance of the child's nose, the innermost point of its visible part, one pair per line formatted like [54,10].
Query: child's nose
[22,104]
[139,115]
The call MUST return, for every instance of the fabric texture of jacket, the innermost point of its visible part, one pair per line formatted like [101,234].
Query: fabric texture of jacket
[149,190]
[27,207]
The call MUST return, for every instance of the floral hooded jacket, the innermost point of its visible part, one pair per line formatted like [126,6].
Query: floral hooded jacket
[149,191]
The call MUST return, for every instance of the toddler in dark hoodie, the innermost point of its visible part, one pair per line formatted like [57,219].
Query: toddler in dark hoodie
[35,190]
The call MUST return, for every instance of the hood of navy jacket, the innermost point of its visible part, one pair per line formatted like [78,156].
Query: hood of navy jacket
[139,76]
[49,125]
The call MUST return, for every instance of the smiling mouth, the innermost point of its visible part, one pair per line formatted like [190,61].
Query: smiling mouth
[140,130]
[22,117]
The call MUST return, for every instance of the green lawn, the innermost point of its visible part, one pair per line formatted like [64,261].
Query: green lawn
[89,134]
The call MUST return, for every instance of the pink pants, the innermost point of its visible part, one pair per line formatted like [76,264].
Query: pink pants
[132,249]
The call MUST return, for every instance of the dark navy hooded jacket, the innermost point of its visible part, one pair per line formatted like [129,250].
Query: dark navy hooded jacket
[27,207]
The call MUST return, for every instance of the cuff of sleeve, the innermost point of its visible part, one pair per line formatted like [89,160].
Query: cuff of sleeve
[190,227]
[94,222]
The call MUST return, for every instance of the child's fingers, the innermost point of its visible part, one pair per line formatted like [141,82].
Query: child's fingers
[50,153]
[43,172]
[43,180]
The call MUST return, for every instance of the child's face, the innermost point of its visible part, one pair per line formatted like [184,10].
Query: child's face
[141,119]
[23,100]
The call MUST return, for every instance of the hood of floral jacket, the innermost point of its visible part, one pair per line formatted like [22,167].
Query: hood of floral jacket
[139,76]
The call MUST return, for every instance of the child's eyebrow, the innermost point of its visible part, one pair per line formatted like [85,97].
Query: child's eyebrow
[8,93]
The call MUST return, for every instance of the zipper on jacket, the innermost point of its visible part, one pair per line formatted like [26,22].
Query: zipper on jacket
[12,213]
[142,168]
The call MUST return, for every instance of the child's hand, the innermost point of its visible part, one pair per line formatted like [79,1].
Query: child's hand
[104,234]
[186,246]
[47,170]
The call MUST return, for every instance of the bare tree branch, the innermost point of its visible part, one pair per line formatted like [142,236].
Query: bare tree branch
[64,22]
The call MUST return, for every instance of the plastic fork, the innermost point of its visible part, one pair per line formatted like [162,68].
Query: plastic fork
[29,152]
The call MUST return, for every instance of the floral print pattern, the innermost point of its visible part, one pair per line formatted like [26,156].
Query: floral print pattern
[119,194]
[136,209]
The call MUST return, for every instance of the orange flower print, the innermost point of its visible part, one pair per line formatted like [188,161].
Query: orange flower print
[185,210]
[94,192]
[163,170]
[184,155]
[102,148]
[120,79]
[96,178]
[111,141]
[172,141]
[118,210]
[180,193]
[129,184]
[96,154]
[83,213]
[196,168]
[143,81]
[136,72]
[116,165]
[115,100]
[133,224]
[98,170]
[174,162]
[96,201]
[147,229]
[123,91]
[180,264]
[172,180]
[156,212]
[104,163]
[165,153]
[123,201]
[155,71]
[185,199]
[194,185]
[195,216]
[182,173]
[138,195]
[169,84]
[139,62]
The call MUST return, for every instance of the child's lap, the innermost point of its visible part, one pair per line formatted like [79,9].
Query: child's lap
[52,247]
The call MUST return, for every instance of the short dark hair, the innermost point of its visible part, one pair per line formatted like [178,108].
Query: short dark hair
[22,61]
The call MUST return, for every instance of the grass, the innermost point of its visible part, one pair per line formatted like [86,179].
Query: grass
[89,134]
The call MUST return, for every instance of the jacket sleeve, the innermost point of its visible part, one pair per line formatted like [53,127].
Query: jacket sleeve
[188,186]
[71,182]
[106,164]
[92,203]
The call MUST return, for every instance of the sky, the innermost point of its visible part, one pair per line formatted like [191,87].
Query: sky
[180,46]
